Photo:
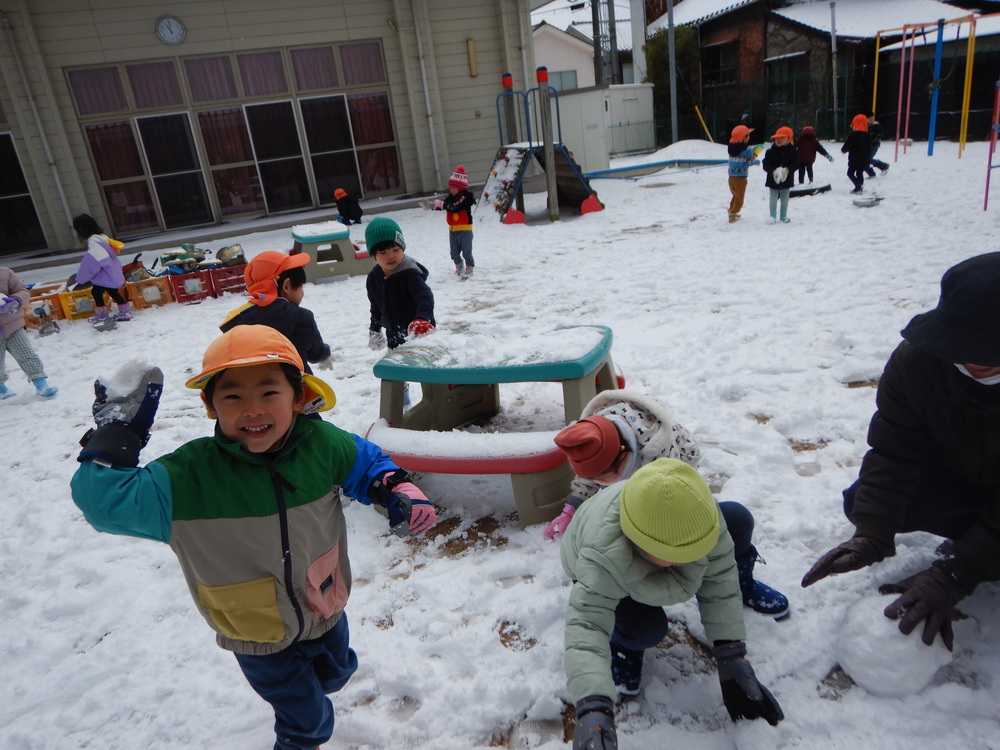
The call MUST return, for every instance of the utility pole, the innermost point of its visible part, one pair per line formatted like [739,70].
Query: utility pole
[833,46]
[673,71]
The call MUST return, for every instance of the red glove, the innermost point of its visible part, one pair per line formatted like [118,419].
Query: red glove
[419,327]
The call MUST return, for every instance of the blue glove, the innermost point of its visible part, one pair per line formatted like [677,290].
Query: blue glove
[744,696]
[123,422]
[595,724]
[10,305]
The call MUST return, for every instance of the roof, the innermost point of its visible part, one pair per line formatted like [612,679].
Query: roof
[576,16]
[696,12]
[985,26]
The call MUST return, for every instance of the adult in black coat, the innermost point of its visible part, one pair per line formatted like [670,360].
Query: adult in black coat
[934,463]
[858,147]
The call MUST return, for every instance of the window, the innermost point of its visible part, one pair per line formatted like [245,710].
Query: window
[263,74]
[718,64]
[783,75]
[97,91]
[22,230]
[154,85]
[362,63]
[210,78]
[314,68]
[563,80]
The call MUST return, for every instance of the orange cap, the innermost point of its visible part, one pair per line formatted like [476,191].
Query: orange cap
[263,270]
[739,133]
[245,346]
[860,122]
[785,131]
[339,193]
[591,445]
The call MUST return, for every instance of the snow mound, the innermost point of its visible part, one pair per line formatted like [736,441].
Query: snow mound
[881,659]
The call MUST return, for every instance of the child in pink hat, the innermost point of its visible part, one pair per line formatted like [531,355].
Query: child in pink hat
[458,205]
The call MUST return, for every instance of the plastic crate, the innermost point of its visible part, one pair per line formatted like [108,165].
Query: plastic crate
[46,296]
[77,304]
[149,292]
[189,288]
[229,280]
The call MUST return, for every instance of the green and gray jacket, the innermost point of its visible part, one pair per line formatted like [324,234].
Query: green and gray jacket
[606,567]
[261,539]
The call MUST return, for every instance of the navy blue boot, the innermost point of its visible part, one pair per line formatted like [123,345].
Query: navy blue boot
[626,670]
[756,595]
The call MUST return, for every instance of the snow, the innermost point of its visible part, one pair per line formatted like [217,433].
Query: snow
[764,340]
[877,656]
[863,18]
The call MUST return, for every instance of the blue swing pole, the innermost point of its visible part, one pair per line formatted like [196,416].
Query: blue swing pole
[938,50]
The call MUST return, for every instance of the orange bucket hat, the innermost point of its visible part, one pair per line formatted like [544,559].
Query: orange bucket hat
[785,131]
[739,133]
[860,122]
[245,346]
[591,445]
[263,270]
[339,193]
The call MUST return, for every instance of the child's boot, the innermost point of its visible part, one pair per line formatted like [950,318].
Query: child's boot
[626,670]
[102,321]
[459,269]
[124,312]
[6,392]
[100,313]
[756,595]
[44,389]
[467,272]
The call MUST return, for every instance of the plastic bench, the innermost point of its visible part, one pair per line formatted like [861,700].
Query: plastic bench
[331,251]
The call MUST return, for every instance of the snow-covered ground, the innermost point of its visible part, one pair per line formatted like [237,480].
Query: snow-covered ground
[764,340]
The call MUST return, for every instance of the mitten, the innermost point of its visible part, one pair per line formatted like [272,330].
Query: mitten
[780,174]
[419,327]
[757,150]
[376,340]
[558,525]
[595,724]
[410,512]
[744,696]
[325,364]
[857,552]
[829,157]
[930,597]
[123,422]
[10,305]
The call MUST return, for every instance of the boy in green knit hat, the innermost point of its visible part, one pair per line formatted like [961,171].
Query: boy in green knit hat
[630,550]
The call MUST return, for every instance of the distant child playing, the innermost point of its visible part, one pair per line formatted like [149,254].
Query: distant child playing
[401,302]
[276,283]
[741,157]
[253,514]
[458,203]
[809,145]
[780,162]
[348,207]
[102,268]
[858,147]
[14,295]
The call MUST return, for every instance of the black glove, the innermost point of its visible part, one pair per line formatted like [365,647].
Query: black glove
[744,696]
[858,552]
[595,724]
[123,422]
[930,597]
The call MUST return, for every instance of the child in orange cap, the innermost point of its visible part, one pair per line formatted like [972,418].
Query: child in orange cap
[741,157]
[253,514]
[276,283]
[858,147]
[349,208]
[780,162]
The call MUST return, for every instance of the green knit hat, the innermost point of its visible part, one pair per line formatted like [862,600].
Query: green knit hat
[668,511]
[380,231]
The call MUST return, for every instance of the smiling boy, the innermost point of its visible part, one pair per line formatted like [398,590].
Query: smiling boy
[254,515]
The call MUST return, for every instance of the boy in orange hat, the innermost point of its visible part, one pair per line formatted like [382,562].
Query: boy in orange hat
[253,514]
[780,162]
[741,157]
[858,147]
[349,208]
[276,283]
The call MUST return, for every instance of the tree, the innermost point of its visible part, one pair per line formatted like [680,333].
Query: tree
[688,56]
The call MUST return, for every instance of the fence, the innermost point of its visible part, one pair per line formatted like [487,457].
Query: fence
[632,138]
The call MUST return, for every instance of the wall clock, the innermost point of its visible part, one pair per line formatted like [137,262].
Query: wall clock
[170,30]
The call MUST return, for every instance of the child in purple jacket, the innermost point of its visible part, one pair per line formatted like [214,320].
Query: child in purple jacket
[101,267]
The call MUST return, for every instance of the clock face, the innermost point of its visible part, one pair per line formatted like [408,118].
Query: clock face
[170,30]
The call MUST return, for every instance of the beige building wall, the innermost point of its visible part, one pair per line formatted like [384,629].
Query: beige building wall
[444,63]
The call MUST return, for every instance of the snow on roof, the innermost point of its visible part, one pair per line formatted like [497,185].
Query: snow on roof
[985,26]
[696,12]
[863,18]
[566,15]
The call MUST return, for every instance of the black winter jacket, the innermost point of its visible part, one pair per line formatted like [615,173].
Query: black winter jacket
[780,156]
[349,208]
[931,414]
[398,299]
[297,324]
[858,148]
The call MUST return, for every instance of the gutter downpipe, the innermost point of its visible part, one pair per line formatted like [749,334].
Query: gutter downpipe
[427,93]
[5,22]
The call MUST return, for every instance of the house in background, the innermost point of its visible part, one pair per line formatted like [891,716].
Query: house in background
[768,63]
[156,116]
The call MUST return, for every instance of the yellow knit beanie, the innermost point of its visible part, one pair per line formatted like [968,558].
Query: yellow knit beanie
[668,511]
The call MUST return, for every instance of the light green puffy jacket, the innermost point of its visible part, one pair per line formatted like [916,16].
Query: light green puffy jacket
[606,567]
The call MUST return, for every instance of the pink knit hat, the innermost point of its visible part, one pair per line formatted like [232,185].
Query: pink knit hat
[459,179]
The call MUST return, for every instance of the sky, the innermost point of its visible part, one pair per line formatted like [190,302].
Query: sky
[765,341]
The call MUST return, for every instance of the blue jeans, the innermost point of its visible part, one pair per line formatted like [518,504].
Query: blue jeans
[296,681]
[774,198]
[641,626]
[461,246]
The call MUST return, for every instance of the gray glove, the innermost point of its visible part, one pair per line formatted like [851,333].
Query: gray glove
[595,724]
[376,340]
[857,552]
[325,364]
[744,696]
[123,422]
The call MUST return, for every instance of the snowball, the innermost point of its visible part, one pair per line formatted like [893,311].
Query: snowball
[124,381]
[878,657]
